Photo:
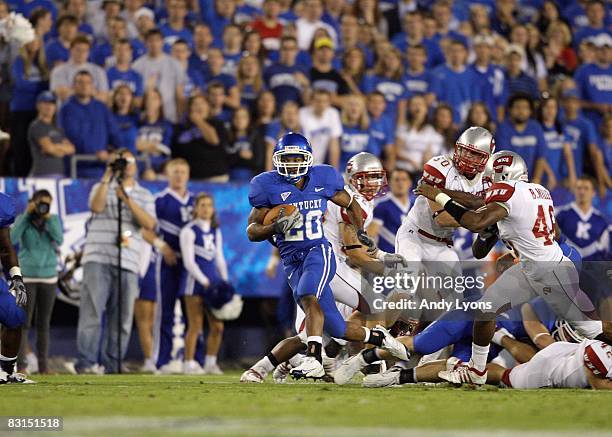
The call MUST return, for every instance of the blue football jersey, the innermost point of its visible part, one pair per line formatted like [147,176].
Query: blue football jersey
[388,214]
[7,211]
[589,233]
[270,189]
[172,214]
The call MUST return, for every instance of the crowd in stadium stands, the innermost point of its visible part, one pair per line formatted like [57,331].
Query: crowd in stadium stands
[218,81]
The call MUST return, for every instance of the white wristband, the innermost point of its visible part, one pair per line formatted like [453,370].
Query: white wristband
[442,198]
[15,271]
[541,334]
[158,243]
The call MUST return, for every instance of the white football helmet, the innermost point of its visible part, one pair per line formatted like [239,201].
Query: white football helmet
[509,166]
[472,150]
[366,174]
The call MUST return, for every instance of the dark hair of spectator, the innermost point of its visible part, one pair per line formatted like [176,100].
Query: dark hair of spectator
[214,223]
[215,84]
[114,107]
[356,76]
[540,110]
[80,39]
[469,121]
[588,178]
[39,194]
[66,19]
[146,98]
[518,97]
[38,14]
[82,73]
[180,41]
[417,124]
[153,32]
[288,38]
[39,59]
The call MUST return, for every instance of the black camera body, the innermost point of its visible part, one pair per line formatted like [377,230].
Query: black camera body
[41,209]
[118,167]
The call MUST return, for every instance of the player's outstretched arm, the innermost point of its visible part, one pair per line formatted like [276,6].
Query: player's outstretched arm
[256,230]
[475,221]
[596,382]
[470,201]
[538,333]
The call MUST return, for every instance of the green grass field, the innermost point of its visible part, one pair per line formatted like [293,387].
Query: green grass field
[193,405]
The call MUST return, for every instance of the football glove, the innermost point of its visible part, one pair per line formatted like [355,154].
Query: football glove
[365,239]
[18,289]
[285,223]
[393,259]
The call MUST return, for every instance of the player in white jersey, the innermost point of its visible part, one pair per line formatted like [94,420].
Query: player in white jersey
[562,364]
[425,236]
[367,180]
[524,214]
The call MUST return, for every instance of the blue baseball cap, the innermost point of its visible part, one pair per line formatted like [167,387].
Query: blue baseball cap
[46,96]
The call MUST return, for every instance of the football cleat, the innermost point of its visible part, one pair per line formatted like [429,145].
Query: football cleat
[212,370]
[19,378]
[192,367]
[309,368]
[349,368]
[329,364]
[464,374]
[392,345]
[148,367]
[453,362]
[386,379]
[281,372]
[251,375]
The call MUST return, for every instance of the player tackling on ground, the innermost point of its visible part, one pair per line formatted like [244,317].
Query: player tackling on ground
[307,256]
[524,214]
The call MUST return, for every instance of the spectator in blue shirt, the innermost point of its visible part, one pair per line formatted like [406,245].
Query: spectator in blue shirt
[42,22]
[250,82]
[30,75]
[491,89]
[519,82]
[245,150]
[154,134]
[596,16]
[215,74]
[89,125]
[125,117]
[594,80]
[288,121]
[175,27]
[286,79]
[520,133]
[353,70]
[356,136]
[194,83]
[218,16]
[27,7]
[102,53]
[382,128]
[417,79]
[556,165]
[232,49]
[78,8]
[453,83]
[583,138]
[202,40]
[217,102]
[122,72]
[414,34]
[58,49]
[387,79]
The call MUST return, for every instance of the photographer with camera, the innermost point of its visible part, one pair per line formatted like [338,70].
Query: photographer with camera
[39,235]
[100,294]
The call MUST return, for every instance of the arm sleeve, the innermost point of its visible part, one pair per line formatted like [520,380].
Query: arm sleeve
[220,258]
[54,228]
[19,228]
[257,195]
[186,240]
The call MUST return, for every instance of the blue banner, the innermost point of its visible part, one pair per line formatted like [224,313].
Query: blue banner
[246,260]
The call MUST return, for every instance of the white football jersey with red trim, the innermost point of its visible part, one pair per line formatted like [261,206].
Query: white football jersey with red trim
[440,172]
[528,229]
[334,215]
[567,369]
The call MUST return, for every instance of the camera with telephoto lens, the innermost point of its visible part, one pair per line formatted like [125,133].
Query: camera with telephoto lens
[41,208]
[119,165]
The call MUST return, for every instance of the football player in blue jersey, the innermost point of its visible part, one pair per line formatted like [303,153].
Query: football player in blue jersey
[307,256]
[13,298]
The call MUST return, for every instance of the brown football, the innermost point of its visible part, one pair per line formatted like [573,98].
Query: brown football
[272,214]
